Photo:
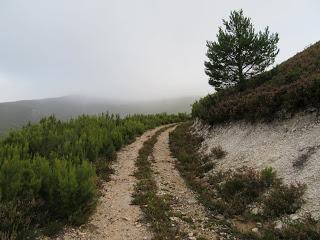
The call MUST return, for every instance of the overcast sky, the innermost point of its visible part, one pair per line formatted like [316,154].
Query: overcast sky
[129,49]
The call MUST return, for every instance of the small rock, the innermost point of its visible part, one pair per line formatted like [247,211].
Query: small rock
[255,211]
[192,201]
[126,218]
[259,224]
[192,238]
[219,217]
[174,219]
[294,217]
[311,110]
[255,230]
[278,225]
[190,234]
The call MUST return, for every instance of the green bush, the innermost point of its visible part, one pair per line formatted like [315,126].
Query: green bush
[269,176]
[284,200]
[54,165]
[304,229]
[244,184]
[237,189]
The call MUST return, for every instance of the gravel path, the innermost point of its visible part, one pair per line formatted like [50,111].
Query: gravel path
[115,218]
[191,215]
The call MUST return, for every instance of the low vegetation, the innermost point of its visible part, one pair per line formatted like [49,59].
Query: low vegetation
[233,191]
[244,194]
[288,88]
[49,170]
[156,208]
[218,152]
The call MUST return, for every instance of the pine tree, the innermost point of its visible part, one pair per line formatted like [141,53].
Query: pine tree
[239,52]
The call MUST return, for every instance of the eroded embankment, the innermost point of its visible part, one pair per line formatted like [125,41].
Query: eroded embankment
[291,147]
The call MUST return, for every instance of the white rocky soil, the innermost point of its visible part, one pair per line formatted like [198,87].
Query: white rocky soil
[291,147]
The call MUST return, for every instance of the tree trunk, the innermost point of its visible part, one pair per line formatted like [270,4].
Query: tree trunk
[241,79]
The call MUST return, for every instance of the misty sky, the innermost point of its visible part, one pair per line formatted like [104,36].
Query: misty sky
[129,49]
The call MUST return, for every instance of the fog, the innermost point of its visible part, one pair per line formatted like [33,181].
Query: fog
[129,50]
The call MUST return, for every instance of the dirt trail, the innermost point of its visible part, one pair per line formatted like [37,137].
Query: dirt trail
[115,218]
[191,215]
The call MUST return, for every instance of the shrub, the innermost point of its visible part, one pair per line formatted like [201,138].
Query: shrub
[242,184]
[239,188]
[290,87]
[269,176]
[218,152]
[284,200]
[15,219]
[307,229]
[53,165]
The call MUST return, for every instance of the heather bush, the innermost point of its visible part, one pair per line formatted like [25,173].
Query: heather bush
[288,88]
[284,199]
[237,189]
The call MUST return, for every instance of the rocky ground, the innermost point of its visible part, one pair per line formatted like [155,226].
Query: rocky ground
[291,147]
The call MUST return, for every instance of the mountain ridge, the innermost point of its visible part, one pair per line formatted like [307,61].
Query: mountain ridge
[16,114]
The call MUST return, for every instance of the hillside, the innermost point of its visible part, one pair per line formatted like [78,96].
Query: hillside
[291,147]
[245,168]
[288,88]
[254,155]
[16,114]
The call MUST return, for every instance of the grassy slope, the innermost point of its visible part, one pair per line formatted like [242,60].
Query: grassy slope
[292,86]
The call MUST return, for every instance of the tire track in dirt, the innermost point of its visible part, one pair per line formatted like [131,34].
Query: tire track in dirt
[115,217]
[190,214]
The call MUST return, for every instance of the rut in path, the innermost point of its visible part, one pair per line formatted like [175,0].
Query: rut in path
[115,218]
[192,215]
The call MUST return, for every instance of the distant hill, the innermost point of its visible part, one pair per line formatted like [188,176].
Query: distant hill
[16,114]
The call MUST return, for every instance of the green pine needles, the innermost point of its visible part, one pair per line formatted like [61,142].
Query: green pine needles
[239,52]
[49,170]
